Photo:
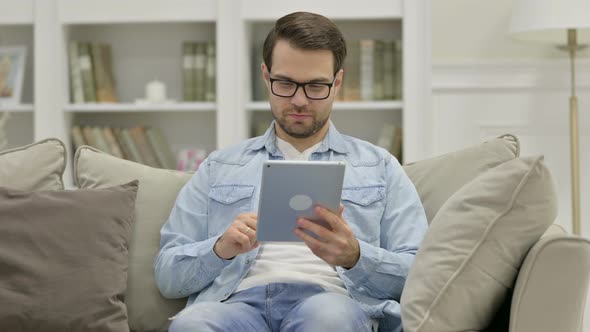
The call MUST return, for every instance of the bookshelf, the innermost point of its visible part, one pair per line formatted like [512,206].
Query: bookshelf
[16,29]
[146,38]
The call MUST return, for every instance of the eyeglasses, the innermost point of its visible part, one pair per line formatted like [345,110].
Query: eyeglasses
[312,90]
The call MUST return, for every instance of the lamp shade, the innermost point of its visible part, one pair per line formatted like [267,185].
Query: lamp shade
[548,20]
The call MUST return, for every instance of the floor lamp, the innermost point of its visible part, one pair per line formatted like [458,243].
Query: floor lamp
[558,22]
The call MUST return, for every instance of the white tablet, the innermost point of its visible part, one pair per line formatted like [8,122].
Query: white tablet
[291,189]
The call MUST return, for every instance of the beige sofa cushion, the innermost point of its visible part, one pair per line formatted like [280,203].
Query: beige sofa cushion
[471,254]
[38,166]
[438,178]
[63,259]
[148,310]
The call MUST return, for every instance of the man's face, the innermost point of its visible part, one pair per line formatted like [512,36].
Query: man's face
[299,116]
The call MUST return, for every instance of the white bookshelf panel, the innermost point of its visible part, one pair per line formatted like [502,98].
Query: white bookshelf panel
[133,11]
[21,35]
[143,52]
[19,129]
[19,108]
[268,10]
[16,12]
[129,107]
[182,129]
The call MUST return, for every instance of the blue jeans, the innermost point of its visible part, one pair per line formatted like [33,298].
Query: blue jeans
[275,307]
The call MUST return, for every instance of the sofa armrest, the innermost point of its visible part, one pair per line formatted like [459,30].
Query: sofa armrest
[552,285]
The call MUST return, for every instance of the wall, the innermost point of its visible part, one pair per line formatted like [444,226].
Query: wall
[485,83]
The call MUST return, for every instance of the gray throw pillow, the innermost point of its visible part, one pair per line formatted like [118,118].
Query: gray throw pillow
[63,259]
[148,310]
[475,245]
[436,179]
[38,166]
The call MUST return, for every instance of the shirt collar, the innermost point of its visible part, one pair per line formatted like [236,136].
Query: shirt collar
[333,141]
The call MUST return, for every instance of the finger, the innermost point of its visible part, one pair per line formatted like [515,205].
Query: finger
[315,228]
[249,232]
[340,210]
[312,243]
[242,241]
[330,217]
[248,215]
[251,223]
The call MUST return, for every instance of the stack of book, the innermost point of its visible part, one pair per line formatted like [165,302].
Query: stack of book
[391,139]
[140,144]
[91,73]
[198,71]
[372,71]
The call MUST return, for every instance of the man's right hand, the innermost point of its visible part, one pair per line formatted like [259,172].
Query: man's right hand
[239,238]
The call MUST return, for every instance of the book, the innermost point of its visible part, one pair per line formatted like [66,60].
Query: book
[144,148]
[76,88]
[117,132]
[398,70]
[210,92]
[100,140]
[77,137]
[200,70]
[378,70]
[389,66]
[86,72]
[111,141]
[162,149]
[103,75]
[89,136]
[397,144]
[130,145]
[352,76]
[367,47]
[188,79]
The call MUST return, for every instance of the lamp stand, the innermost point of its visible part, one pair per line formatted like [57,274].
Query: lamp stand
[574,144]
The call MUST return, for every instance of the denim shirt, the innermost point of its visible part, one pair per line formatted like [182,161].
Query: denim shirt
[381,207]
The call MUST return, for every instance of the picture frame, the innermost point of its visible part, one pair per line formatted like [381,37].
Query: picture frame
[12,72]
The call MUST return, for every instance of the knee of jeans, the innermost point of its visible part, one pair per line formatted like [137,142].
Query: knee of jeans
[194,318]
[331,310]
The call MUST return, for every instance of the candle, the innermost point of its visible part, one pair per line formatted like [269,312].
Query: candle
[155,92]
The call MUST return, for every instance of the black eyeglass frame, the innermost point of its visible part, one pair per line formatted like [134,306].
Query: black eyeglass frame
[302,85]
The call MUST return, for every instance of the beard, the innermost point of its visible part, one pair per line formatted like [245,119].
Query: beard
[298,129]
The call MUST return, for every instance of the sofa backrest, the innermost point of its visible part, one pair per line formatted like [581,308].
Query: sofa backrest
[436,179]
[158,188]
[37,166]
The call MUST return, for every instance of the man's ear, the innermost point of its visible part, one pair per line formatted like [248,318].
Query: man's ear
[265,75]
[338,81]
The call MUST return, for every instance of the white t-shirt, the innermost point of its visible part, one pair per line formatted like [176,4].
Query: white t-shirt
[291,261]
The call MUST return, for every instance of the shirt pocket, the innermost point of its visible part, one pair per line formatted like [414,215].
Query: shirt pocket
[363,210]
[226,202]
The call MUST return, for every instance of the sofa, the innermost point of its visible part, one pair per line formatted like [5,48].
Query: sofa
[82,259]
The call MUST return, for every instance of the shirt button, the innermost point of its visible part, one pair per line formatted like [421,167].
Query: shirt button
[248,261]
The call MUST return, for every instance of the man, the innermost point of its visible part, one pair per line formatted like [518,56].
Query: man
[345,280]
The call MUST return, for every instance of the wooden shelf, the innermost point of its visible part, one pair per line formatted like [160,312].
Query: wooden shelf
[20,108]
[381,105]
[129,107]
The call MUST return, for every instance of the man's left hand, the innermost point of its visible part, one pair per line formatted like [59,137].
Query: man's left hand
[336,246]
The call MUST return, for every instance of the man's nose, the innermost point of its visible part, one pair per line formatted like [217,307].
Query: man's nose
[299,99]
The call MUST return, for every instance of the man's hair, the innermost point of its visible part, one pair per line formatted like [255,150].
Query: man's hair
[307,31]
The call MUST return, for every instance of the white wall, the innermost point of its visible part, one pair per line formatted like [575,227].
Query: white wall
[485,83]
[468,29]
